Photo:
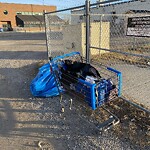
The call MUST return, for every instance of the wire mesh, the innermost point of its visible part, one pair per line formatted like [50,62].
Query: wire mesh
[120,38]
[62,35]
[113,41]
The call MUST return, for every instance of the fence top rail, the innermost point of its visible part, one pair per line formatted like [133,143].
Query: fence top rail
[71,8]
[81,6]
[109,1]
[104,2]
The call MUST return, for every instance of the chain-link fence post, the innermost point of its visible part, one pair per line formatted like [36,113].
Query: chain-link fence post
[87,15]
[44,11]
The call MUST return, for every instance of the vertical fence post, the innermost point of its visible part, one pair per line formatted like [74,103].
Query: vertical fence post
[100,36]
[87,14]
[45,20]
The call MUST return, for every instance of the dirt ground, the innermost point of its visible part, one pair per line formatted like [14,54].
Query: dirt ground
[28,123]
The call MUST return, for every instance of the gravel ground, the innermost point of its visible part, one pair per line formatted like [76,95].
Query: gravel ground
[136,83]
[30,123]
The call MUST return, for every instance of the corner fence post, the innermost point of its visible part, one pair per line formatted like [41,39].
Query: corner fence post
[87,15]
[46,35]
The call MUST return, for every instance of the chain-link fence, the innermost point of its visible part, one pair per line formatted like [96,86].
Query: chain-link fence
[122,41]
[62,36]
[119,37]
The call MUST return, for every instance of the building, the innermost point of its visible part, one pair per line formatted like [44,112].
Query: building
[113,11]
[37,22]
[13,16]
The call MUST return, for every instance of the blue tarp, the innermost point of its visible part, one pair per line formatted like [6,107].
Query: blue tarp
[44,84]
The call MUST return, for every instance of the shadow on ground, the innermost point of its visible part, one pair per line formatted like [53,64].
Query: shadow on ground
[23,55]
[24,117]
[29,36]
[22,36]
[33,119]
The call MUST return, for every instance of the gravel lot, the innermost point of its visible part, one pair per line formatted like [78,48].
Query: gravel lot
[25,121]
[136,83]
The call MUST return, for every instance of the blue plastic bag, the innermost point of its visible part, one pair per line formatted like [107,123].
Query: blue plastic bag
[44,84]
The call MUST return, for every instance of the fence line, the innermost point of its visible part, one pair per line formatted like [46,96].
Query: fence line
[107,44]
[72,8]
[81,6]
[104,2]
[124,53]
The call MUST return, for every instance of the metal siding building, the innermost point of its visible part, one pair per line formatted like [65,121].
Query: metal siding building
[117,8]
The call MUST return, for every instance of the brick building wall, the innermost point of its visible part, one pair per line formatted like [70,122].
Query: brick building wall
[8,11]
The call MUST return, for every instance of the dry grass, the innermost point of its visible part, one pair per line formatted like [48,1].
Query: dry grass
[117,58]
[134,125]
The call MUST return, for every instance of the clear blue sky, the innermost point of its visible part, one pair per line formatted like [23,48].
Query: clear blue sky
[59,3]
